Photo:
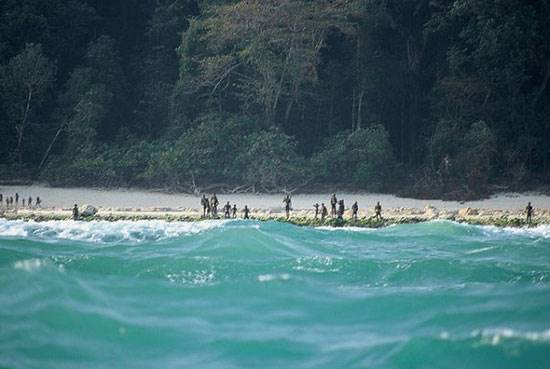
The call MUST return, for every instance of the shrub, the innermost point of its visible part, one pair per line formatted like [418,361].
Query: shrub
[364,158]
[269,160]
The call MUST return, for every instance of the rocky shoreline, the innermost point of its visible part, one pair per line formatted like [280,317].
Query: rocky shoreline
[499,218]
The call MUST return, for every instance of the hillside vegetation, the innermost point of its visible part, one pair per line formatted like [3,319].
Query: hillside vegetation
[430,98]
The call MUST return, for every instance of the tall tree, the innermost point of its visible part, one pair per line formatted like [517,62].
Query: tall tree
[26,80]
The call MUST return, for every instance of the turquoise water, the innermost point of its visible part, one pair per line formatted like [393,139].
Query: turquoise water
[267,295]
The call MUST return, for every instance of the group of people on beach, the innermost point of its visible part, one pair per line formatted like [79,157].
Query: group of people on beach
[210,209]
[337,209]
[12,202]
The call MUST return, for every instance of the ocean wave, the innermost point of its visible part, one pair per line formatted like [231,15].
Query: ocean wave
[450,227]
[104,231]
[542,231]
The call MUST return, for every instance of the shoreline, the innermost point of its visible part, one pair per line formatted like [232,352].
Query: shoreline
[488,217]
[504,209]
[54,197]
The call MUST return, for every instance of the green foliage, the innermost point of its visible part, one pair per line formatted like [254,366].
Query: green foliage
[364,158]
[192,93]
[203,154]
[268,159]
[478,155]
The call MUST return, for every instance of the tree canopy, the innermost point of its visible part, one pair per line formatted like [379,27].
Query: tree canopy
[443,98]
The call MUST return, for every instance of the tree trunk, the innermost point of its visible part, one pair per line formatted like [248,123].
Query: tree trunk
[330,115]
[353,111]
[402,148]
[21,129]
[360,110]
[542,86]
[47,153]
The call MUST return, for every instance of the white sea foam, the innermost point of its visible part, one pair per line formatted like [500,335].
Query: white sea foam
[103,231]
[316,264]
[273,277]
[542,231]
[483,249]
[29,265]
[196,278]
[494,336]
[345,229]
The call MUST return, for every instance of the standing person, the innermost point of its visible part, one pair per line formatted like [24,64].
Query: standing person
[16,199]
[333,202]
[75,212]
[246,211]
[11,201]
[208,208]
[204,203]
[288,204]
[227,210]
[324,212]
[529,212]
[38,201]
[29,203]
[341,209]
[316,207]
[378,211]
[23,202]
[354,210]
[1,200]
[234,211]
[214,205]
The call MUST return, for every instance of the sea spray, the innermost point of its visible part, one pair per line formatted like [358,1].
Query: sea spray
[234,294]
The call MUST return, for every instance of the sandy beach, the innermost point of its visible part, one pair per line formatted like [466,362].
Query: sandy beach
[138,204]
[59,198]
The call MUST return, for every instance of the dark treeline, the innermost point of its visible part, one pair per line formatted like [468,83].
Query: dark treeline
[442,98]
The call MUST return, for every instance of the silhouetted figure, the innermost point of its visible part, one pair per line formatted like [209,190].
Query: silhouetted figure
[341,209]
[11,201]
[38,201]
[529,212]
[354,210]
[30,202]
[324,212]
[208,208]
[227,210]
[76,213]
[234,211]
[214,205]
[316,207]
[16,198]
[1,199]
[23,201]
[246,211]
[288,205]
[204,203]
[333,202]
[378,211]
